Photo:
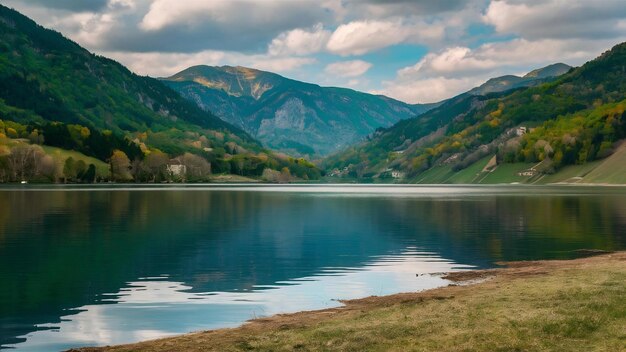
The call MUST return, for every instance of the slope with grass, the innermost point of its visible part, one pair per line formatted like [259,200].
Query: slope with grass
[61,155]
[612,170]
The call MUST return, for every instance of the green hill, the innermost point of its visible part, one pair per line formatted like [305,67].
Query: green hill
[289,115]
[69,98]
[573,120]
[531,79]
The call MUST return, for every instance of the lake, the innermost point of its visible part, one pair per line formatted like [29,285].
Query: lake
[98,265]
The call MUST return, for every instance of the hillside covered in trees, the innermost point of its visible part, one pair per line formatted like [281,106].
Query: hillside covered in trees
[573,120]
[55,93]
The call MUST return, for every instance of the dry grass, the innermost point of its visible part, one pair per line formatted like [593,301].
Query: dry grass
[577,305]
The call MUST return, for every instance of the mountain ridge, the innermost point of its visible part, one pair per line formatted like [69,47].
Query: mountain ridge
[532,78]
[287,114]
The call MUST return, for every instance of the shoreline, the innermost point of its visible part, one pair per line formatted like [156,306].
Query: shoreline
[69,186]
[466,287]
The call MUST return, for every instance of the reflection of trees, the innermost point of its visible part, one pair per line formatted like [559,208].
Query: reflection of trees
[524,227]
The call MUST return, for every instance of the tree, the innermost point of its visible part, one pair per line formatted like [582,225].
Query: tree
[120,166]
[285,175]
[81,168]
[197,167]
[69,169]
[27,162]
[90,174]
[156,165]
[270,175]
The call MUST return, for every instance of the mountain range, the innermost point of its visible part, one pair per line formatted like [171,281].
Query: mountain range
[525,134]
[288,115]
[556,120]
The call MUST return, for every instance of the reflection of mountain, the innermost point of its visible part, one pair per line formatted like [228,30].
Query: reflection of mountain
[60,250]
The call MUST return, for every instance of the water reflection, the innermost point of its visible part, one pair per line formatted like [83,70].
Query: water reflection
[157,307]
[212,257]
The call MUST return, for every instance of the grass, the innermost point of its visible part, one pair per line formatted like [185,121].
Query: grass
[445,174]
[60,155]
[506,173]
[611,170]
[570,173]
[539,306]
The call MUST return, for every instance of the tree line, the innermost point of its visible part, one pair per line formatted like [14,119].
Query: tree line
[22,158]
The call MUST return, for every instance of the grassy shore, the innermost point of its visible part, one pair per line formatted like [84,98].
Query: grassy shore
[577,305]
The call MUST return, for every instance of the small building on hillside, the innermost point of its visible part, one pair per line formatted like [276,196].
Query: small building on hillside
[528,173]
[176,168]
[339,173]
[520,131]
[397,174]
[391,173]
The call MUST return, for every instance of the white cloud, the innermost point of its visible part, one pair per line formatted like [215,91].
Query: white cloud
[425,90]
[281,65]
[300,41]
[167,64]
[352,68]
[164,13]
[361,37]
[557,18]
[450,60]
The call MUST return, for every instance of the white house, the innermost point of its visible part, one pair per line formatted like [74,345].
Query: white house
[397,174]
[176,168]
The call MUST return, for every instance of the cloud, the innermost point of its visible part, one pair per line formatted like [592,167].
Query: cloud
[165,13]
[179,26]
[71,5]
[425,90]
[300,41]
[353,68]
[557,18]
[167,64]
[406,7]
[361,37]
[281,65]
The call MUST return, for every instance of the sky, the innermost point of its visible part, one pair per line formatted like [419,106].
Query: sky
[417,51]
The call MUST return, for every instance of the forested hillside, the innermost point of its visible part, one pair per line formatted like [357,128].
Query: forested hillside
[572,120]
[54,92]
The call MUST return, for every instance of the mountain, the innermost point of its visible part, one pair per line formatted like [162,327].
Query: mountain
[535,131]
[286,114]
[533,78]
[51,86]
[549,71]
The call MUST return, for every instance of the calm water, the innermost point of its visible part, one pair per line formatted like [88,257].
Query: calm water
[95,266]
